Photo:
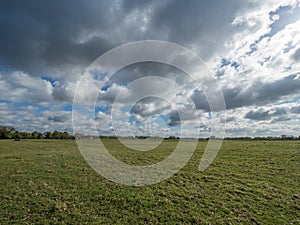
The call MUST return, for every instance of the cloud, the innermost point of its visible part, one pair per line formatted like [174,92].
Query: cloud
[6,115]
[64,91]
[251,46]
[260,93]
[151,106]
[51,37]
[258,115]
[20,87]
[296,55]
[261,114]
[113,92]
[295,110]
[39,36]
[59,119]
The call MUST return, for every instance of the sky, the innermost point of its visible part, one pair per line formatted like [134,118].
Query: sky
[251,47]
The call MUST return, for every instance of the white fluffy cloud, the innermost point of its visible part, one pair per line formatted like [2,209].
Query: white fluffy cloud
[21,87]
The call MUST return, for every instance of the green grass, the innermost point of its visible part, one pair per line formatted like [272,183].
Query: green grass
[250,182]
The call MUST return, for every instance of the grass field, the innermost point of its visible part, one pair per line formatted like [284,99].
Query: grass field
[250,182]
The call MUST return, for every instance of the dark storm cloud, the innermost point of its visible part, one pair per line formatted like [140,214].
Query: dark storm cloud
[200,100]
[175,119]
[129,5]
[279,113]
[258,115]
[258,93]
[144,69]
[39,34]
[206,23]
[59,119]
[295,110]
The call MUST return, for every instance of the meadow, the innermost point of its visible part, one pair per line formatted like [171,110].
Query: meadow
[250,182]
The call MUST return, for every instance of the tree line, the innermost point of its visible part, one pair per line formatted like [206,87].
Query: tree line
[12,133]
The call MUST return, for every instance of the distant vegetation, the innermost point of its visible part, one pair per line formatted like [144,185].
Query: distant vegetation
[12,133]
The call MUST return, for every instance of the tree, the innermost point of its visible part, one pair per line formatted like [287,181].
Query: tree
[56,135]
[65,135]
[48,135]
[25,135]
[7,132]
[17,135]
[35,134]
[40,136]
[3,132]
